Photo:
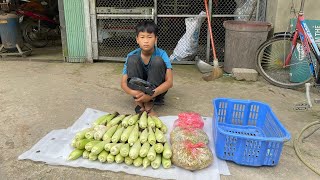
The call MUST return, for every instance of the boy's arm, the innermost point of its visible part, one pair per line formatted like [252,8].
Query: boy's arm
[141,97]
[167,84]
[125,87]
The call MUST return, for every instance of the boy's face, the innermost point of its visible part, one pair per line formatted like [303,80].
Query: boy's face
[146,40]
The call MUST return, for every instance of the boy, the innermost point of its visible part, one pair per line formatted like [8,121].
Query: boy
[149,63]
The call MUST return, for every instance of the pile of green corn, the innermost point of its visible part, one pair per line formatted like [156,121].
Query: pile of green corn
[137,140]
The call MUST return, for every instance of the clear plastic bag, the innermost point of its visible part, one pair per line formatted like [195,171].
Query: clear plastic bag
[187,46]
[194,135]
[247,7]
[191,156]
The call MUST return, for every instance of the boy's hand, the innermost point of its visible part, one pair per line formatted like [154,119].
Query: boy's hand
[142,97]
[134,93]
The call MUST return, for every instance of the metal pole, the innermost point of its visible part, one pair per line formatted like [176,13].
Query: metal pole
[208,34]
[63,30]
[258,9]
[302,6]
[125,16]
[196,15]
[94,30]
[87,24]
[155,15]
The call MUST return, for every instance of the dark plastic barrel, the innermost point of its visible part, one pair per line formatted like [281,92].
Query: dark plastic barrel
[242,41]
[10,31]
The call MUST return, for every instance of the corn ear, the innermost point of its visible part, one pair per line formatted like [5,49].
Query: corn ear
[164,128]
[99,120]
[103,156]
[90,134]
[143,121]
[90,144]
[110,158]
[160,136]
[126,133]
[81,134]
[96,149]
[151,122]
[93,157]
[134,135]
[166,163]
[117,135]
[151,154]
[167,152]
[157,121]
[82,143]
[124,150]
[137,162]
[144,150]
[157,162]
[125,122]
[109,118]
[115,150]
[116,120]
[96,128]
[74,143]
[133,119]
[146,162]
[151,137]
[144,136]
[135,150]
[158,148]
[108,146]
[128,160]
[99,133]
[75,154]
[108,135]
[85,154]
[119,159]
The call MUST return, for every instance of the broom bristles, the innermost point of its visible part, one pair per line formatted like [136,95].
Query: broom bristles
[216,73]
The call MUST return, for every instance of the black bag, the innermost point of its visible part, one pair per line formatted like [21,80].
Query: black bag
[141,85]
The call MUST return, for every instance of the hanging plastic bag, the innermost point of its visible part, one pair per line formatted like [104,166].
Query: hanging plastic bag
[247,8]
[187,47]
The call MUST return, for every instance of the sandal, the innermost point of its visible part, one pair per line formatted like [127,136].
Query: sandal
[148,111]
[137,109]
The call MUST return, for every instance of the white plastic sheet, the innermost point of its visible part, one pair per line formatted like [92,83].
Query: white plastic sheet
[54,148]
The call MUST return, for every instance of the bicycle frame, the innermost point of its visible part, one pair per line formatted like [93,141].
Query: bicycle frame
[303,33]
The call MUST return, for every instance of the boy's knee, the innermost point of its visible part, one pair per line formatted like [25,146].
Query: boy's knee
[133,59]
[158,61]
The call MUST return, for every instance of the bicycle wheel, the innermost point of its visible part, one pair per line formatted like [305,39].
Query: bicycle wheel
[271,56]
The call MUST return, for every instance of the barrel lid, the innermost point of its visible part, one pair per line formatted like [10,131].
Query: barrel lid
[247,25]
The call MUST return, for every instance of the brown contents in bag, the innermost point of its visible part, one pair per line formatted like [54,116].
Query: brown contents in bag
[194,135]
[191,156]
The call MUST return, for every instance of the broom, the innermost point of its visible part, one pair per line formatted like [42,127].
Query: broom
[216,71]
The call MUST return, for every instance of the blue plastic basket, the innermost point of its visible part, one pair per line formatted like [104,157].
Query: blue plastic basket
[247,132]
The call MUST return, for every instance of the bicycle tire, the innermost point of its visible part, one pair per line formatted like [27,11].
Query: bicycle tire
[33,39]
[275,73]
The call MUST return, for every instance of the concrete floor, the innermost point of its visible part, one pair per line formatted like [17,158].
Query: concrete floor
[38,97]
[50,53]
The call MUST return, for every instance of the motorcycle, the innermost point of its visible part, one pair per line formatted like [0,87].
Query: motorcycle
[37,27]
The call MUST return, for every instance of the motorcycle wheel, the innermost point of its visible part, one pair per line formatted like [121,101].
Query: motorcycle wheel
[32,35]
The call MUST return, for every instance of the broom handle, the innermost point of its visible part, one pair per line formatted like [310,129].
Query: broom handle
[210,30]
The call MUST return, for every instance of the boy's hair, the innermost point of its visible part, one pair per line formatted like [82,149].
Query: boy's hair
[147,26]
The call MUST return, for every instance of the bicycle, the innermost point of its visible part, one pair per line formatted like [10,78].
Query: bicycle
[290,60]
